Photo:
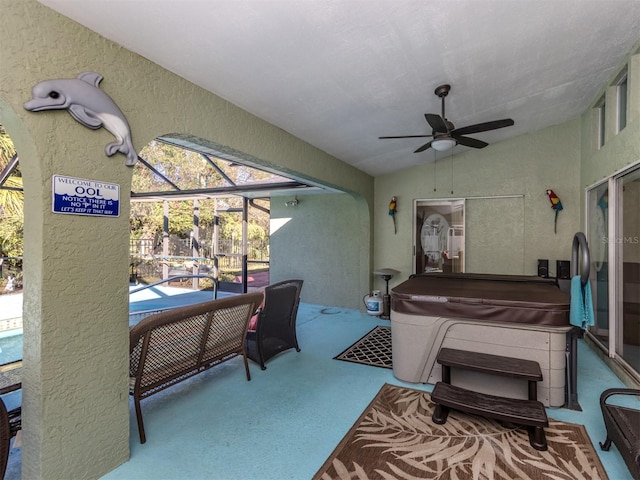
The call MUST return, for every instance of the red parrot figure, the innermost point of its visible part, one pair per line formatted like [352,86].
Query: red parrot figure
[392,212]
[556,205]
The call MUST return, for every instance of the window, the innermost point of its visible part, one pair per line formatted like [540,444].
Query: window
[600,112]
[622,102]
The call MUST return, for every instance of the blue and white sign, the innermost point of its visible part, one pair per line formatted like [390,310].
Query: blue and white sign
[77,196]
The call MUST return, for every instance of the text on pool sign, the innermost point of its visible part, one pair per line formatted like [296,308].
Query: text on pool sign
[77,196]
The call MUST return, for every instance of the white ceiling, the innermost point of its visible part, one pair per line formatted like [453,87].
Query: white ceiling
[340,73]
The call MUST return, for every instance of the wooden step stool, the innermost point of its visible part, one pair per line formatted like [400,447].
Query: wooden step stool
[529,412]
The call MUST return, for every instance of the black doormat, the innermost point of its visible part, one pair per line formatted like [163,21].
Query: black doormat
[373,349]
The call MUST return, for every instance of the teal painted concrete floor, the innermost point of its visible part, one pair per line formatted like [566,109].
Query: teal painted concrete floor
[287,420]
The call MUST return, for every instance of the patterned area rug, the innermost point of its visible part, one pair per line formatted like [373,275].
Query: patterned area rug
[395,438]
[372,349]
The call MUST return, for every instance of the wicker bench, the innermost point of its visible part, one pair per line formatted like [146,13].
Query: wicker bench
[171,346]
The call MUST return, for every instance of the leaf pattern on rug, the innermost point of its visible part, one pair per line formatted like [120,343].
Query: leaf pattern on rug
[395,438]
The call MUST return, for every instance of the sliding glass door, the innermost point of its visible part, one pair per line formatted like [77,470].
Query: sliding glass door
[627,341]
[439,236]
[598,209]
[613,226]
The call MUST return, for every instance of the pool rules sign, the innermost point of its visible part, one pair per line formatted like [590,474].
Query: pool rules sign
[77,196]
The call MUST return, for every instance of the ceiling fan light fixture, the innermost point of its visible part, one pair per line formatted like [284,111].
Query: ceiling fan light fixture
[443,144]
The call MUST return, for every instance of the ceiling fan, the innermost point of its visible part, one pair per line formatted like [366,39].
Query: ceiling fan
[446,136]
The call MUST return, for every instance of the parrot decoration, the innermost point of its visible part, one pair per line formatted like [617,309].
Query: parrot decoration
[392,212]
[556,205]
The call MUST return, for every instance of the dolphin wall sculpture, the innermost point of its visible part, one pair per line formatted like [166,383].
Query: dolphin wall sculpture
[89,105]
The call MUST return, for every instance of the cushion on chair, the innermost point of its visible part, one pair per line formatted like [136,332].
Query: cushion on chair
[253,322]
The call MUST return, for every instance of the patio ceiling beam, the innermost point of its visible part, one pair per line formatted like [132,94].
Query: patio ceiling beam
[235,190]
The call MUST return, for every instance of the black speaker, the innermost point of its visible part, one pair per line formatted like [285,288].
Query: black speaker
[562,269]
[543,268]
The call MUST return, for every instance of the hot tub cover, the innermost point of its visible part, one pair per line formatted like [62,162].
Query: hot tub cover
[494,298]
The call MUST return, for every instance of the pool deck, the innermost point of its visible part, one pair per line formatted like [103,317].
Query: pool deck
[10,311]
[10,305]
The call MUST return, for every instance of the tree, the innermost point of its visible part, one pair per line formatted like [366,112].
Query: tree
[191,170]
[11,202]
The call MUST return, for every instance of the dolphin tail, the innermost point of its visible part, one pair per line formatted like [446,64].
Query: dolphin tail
[125,146]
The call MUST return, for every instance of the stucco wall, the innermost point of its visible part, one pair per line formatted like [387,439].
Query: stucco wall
[75,395]
[320,240]
[524,167]
[620,148]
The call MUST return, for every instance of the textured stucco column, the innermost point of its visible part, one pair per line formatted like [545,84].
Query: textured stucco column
[75,315]
[75,402]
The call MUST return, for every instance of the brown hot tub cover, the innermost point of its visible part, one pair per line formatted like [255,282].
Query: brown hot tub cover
[495,298]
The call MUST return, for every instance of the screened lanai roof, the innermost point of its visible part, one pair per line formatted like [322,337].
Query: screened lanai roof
[187,167]
[181,167]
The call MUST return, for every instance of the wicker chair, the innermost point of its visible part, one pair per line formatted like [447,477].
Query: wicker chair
[10,423]
[622,424]
[276,327]
[171,346]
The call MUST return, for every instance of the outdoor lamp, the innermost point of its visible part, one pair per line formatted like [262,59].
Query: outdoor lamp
[386,274]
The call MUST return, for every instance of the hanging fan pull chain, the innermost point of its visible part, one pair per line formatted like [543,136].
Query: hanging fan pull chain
[435,171]
[451,171]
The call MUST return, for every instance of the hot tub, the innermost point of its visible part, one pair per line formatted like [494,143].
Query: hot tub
[513,316]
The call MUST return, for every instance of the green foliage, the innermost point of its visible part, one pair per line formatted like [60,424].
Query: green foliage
[11,203]
[190,170]
[7,150]
[11,235]
[186,168]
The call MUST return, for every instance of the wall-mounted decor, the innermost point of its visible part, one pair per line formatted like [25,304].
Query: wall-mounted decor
[556,205]
[392,211]
[80,196]
[89,105]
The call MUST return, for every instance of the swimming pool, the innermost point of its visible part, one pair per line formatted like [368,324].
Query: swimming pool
[141,304]
[10,345]
[157,298]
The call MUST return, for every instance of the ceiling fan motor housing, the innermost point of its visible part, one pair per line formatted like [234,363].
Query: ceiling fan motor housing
[443,90]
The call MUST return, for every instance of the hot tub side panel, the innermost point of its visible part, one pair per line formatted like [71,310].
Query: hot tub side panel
[416,340]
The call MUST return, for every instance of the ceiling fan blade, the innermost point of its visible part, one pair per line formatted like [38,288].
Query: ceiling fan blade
[408,136]
[483,127]
[469,142]
[437,122]
[423,147]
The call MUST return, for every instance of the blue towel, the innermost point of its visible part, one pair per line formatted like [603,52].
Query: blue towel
[581,308]
[588,306]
